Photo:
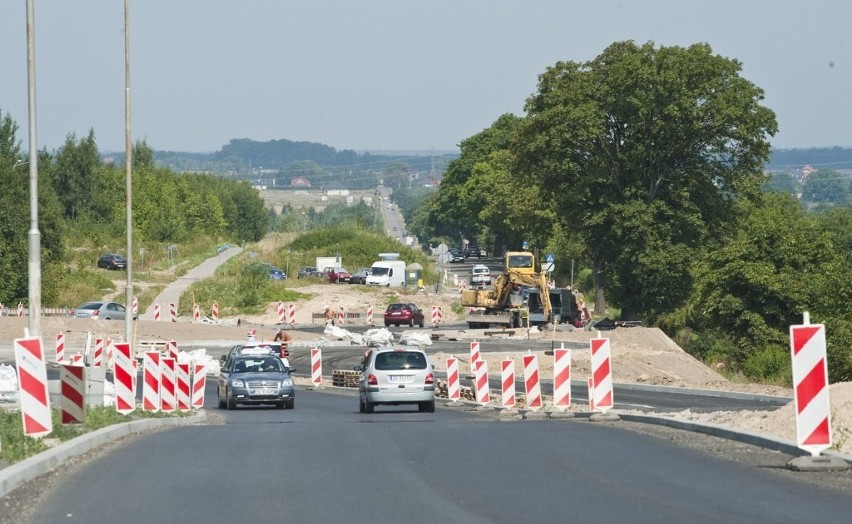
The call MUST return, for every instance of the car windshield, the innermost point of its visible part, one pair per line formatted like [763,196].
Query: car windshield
[259,365]
[391,360]
[397,307]
[91,305]
[379,271]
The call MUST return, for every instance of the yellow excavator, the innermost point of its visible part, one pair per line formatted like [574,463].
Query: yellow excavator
[504,305]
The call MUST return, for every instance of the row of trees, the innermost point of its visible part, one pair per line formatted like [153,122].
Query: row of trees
[82,203]
[647,164]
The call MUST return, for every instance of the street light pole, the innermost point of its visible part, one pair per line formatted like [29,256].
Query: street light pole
[34,235]
[128,186]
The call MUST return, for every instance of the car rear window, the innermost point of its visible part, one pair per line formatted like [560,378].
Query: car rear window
[94,305]
[392,360]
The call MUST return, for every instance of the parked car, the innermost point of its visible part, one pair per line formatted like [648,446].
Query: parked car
[337,275]
[396,375]
[112,261]
[456,256]
[480,275]
[255,379]
[360,276]
[308,271]
[101,310]
[473,251]
[276,273]
[400,313]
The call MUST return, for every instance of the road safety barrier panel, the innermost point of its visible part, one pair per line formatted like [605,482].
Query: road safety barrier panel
[135,306]
[214,312]
[453,384]
[507,374]
[167,384]
[60,348]
[110,353]
[562,378]
[370,314]
[172,311]
[20,309]
[474,355]
[125,374]
[532,384]
[98,355]
[196,312]
[182,389]
[482,389]
[172,349]
[78,360]
[316,366]
[291,314]
[72,403]
[32,387]
[810,383]
[151,373]
[341,317]
[462,284]
[602,374]
[156,311]
[199,384]
[282,315]
[437,315]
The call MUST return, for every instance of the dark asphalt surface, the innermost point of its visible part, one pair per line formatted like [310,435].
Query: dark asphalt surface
[324,461]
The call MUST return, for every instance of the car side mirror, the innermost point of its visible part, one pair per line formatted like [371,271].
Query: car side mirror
[222,358]
[292,370]
[357,368]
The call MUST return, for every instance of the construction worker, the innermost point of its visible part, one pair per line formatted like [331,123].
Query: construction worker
[329,315]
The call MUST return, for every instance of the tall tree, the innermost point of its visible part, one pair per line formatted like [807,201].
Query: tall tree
[647,149]
[826,185]
[76,170]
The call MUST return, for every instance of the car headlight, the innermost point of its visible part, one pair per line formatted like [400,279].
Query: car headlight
[237,383]
[286,382]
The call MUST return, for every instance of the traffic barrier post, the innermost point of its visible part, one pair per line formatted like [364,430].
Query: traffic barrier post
[562,378]
[199,383]
[151,373]
[508,380]
[72,401]
[602,373]
[532,383]
[482,389]
[125,393]
[183,394]
[60,348]
[453,386]
[810,383]
[167,385]
[316,366]
[32,387]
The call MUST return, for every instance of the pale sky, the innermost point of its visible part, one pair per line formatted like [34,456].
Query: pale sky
[386,74]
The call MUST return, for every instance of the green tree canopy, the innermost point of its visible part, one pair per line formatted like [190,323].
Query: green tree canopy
[826,185]
[646,150]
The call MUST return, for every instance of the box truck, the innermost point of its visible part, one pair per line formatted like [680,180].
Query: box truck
[387,273]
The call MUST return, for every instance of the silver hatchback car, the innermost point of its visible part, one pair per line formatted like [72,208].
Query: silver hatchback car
[396,375]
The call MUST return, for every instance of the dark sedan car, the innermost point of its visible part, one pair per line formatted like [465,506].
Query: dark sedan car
[112,261]
[255,379]
[403,314]
[360,276]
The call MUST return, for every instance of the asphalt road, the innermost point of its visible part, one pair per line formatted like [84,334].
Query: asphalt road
[325,462]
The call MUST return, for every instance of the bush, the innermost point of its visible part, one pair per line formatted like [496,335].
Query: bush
[769,364]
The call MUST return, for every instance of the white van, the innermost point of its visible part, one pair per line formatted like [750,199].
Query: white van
[387,273]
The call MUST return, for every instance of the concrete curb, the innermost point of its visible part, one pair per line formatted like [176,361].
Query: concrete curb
[13,476]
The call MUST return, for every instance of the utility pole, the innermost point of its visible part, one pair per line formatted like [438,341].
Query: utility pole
[34,236]
[128,186]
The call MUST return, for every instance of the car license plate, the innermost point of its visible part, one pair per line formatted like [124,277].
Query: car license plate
[400,379]
[263,391]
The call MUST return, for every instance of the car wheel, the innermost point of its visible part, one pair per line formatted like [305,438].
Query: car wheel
[361,408]
[219,398]
[426,407]
[369,407]
[291,404]
[420,324]
[387,324]
[229,402]
[411,323]
[280,405]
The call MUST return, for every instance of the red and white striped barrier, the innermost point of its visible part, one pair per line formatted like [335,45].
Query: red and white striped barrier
[462,284]
[370,320]
[316,366]
[282,314]
[182,389]
[199,383]
[562,378]
[214,312]
[437,315]
[151,373]
[172,311]
[172,349]
[167,384]
[32,380]
[60,348]
[602,374]
[508,380]
[98,355]
[135,306]
[72,402]
[291,314]
[78,360]
[20,309]
[810,383]
[341,316]
[196,312]
[156,311]
[532,383]
[474,355]
[453,386]
[482,390]
[125,379]
[110,353]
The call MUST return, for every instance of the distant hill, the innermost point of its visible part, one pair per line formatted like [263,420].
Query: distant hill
[826,157]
